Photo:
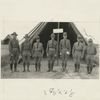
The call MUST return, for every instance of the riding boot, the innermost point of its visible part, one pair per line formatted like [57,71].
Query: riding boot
[75,67]
[11,67]
[78,67]
[24,67]
[36,67]
[88,69]
[62,67]
[28,67]
[48,67]
[39,67]
[15,65]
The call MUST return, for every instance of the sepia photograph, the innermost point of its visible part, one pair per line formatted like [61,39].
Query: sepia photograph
[49,50]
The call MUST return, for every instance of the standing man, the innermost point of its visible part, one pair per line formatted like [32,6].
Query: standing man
[14,50]
[38,52]
[77,53]
[65,49]
[26,53]
[90,51]
[51,52]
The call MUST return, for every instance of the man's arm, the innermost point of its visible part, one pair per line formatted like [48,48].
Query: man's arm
[10,47]
[47,49]
[73,49]
[69,47]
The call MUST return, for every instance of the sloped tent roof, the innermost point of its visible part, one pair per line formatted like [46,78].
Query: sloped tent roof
[45,29]
[7,39]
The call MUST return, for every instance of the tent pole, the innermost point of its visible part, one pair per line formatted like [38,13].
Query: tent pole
[58,45]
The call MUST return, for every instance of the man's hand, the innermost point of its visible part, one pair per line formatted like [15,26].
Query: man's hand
[68,53]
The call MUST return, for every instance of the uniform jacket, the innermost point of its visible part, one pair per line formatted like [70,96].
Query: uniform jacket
[38,49]
[14,48]
[65,45]
[26,48]
[51,46]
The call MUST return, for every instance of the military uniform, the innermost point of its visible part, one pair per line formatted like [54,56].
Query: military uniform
[26,53]
[38,53]
[14,50]
[65,49]
[77,53]
[90,51]
[51,52]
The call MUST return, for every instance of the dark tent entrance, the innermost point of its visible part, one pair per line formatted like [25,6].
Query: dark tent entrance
[45,29]
[46,32]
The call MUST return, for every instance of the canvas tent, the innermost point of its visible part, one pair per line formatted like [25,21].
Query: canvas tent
[45,29]
[6,39]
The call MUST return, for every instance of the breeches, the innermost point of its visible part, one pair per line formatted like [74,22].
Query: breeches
[14,59]
[26,59]
[37,60]
[90,59]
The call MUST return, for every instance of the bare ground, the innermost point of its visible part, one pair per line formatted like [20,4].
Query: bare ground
[57,74]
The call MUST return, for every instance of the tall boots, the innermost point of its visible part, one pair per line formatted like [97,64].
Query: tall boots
[64,67]
[39,66]
[11,67]
[28,67]
[24,67]
[89,69]
[36,67]
[77,67]
[48,66]
[15,66]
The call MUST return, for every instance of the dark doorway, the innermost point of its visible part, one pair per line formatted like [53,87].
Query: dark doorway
[46,32]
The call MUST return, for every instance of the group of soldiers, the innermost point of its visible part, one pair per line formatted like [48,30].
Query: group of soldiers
[37,51]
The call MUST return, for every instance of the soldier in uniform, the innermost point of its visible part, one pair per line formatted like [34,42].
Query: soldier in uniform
[65,49]
[51,52]
[14,50]
[77,52]
[26,53]
[38,52]
[90,52]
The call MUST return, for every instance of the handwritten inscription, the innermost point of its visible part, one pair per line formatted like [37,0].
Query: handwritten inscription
[54,92]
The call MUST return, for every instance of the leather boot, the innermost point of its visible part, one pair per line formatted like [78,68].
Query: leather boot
[48,67]
[24,67]
[15,66]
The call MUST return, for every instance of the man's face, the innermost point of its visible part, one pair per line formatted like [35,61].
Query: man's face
[90,43]
[14,36]
[38,40]
[65,36]
[52,38]
[26,38]
[78,40]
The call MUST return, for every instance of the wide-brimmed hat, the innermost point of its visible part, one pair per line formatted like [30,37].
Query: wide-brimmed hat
[14,33]
[53,35]
[65,34]
[26,36]
[90,40]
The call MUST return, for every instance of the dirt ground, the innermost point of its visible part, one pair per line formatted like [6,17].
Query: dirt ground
[57,74]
